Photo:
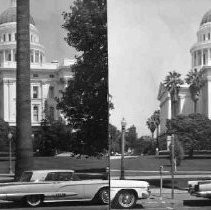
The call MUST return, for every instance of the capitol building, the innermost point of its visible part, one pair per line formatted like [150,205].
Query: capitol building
[48,80]
[200,59]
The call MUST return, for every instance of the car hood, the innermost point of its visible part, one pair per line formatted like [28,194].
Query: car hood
[129,183]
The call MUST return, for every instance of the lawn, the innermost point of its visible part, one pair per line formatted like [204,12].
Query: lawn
[89,164]
[152,163]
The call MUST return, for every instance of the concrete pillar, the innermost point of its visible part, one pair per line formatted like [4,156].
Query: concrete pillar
[4,56]
[12,55]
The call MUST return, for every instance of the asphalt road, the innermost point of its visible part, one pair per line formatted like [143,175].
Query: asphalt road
[55,206]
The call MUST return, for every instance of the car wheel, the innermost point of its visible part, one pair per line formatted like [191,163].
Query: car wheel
[34,200]
[125,199]
[103,195]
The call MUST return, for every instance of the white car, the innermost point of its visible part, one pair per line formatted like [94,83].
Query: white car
[40,186]
[200,188]
[125,193]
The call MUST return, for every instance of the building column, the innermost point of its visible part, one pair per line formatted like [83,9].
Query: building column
[202,58]
[169,107]
[4,56]
[12,57]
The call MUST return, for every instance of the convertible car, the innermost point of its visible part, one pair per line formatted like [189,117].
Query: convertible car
[201,188]
[40,186]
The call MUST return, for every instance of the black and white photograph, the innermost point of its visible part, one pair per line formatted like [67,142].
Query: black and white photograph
[159,82]
[105,104]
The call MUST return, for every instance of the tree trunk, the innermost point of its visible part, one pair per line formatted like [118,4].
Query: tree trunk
[24,152]
[195,106]
[157,137]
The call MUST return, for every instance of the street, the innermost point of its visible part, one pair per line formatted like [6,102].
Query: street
[182,201]
[56,206]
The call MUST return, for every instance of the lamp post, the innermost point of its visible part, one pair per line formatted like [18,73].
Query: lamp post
[123,124]
[10,152]
[172,166]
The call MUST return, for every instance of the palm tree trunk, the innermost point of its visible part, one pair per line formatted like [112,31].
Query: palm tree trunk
[24,152]
[157,137]
[195,106]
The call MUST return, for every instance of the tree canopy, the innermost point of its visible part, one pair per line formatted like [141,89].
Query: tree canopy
[85,100]
[194,131]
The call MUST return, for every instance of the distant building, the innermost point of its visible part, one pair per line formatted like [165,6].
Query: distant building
[201,59]
[47,79]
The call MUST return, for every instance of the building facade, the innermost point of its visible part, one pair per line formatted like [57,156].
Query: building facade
[48,80]
[201,60]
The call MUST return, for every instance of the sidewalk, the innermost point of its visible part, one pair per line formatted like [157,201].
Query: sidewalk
[181,198]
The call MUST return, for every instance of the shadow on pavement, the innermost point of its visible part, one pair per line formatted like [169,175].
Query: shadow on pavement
[138,206]
[15,205]
[197,202]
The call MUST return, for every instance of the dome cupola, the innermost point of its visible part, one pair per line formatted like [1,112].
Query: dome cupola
[10,14]
[206,18]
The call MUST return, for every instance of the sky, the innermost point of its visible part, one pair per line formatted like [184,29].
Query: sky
[146,40]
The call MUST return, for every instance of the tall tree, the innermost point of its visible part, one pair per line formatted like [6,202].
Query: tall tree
[151,125]
[156,117]
[196,81]
[85,101]
[172,83]
[24,152]
[131,137]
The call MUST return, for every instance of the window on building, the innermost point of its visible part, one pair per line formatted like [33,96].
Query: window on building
[51,92]
[209,36]
[35,75]
[31,38]
[35,91]
[10,37]
[204,37]
[36,56]
[32,56]
[51,113]
[51,76]
[8,56]
[41,58]
[35,113]
[4,37]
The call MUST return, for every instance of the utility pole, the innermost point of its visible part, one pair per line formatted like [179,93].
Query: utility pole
[123,124]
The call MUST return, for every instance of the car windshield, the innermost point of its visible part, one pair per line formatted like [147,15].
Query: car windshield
[26,177]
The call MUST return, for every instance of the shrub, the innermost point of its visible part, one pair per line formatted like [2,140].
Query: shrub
[179,152]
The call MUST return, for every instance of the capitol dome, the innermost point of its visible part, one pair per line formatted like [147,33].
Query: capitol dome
[9,16]
[206,18]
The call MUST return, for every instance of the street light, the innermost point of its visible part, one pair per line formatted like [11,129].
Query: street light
[10,152]
[123,124]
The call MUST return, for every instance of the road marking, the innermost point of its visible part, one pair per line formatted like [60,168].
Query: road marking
[169,207]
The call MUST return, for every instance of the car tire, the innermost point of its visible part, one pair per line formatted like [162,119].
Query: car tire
[34,200]
[103,195]
[125,199]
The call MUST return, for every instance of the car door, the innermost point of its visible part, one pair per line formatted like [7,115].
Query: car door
[70,187]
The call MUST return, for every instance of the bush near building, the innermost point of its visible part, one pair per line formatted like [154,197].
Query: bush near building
[193,131]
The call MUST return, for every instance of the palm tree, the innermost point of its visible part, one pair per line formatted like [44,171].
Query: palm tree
[24,152]
[196,81]
[156,117]
[172,84]
[151,125]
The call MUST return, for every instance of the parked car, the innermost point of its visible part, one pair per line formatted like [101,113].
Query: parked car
[40,186]
[125,193]
[200,188]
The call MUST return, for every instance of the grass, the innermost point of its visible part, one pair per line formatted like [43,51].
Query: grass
[152,163]
[85,165]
